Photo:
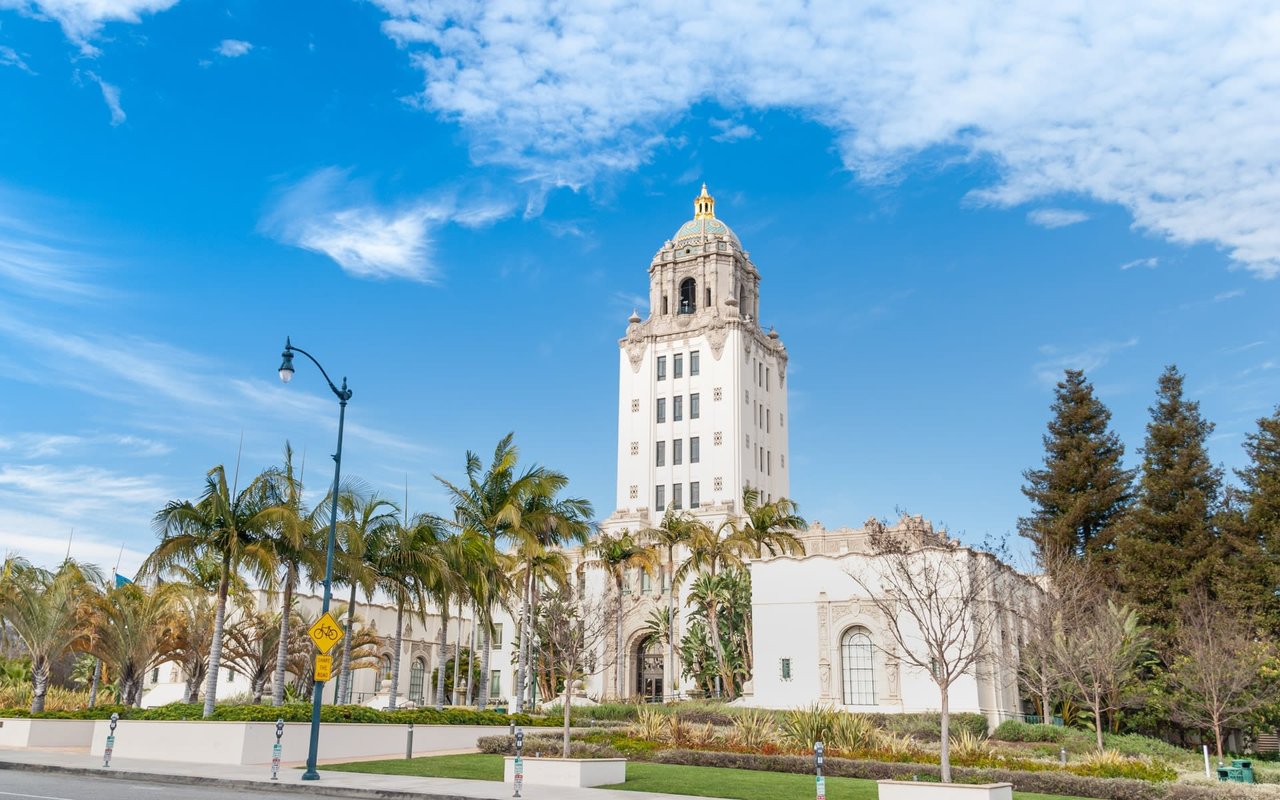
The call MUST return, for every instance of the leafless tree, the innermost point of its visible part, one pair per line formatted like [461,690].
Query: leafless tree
[574,633]
[1216,668]
[1064,597]
[940,602]
[1099,653]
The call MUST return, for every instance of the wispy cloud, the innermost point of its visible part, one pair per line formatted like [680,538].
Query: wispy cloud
[330,214]
[891,82]
[10,58]
[1149,263]
[82,20]
[1054,360]
[233,48]
[1234,293]
[1056,217]
[46,445]
[731,130]
[110,96]
[36,256]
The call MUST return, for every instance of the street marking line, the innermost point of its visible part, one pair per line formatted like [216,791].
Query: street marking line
[35,796]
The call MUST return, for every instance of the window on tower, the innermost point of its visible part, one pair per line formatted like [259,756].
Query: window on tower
[688,296]
[695,495]
[694,406]
[662,368]
[694,366]
[677,408]
[660,457]
[675,496]
[695,451]
[662,409]
[660,497]
[707,302]
[677,451]
[677,365]
[665,309]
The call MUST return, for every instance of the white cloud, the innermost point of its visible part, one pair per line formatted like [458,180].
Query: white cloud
[10,58]
[1056,217]
[110,96]
[1054,360]
[731,130]
[1234,293]
[1149,263]
[81,20]
[323,213]
[36,257]
[46,445]
[233,48]
[1169,110]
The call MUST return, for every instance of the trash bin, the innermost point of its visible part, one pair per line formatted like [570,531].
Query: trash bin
[1246,769]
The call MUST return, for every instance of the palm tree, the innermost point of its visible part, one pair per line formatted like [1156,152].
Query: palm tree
[710,551]
[47,610]
[232,527]
[407,559]
[133,631]
[297,538]
[252,650]
[302,651]
[192,636]
[674,531]
[616,555]
[771,526]
[459,553]
[361,519]
[549,570]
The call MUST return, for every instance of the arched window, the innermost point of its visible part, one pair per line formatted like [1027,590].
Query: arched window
[688,296]
[417,675]
[384,673]
[857,666]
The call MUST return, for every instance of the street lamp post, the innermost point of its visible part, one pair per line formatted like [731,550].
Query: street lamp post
[343,395]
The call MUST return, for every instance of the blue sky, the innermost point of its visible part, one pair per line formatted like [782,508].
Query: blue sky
[455,206]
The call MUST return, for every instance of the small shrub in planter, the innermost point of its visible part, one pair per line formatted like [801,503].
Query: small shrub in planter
[1012,730]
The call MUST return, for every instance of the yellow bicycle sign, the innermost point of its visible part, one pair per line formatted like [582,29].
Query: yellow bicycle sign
[326,633]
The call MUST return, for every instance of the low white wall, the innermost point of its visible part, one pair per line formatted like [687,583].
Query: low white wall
[568,771]
[251,742]
[19,732]
[919,790]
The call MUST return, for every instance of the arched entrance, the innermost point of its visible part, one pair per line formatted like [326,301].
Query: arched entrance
[649,669]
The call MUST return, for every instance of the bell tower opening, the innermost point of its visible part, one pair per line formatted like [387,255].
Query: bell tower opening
[688,296]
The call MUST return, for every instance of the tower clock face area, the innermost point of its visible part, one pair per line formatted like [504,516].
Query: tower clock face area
[702,388]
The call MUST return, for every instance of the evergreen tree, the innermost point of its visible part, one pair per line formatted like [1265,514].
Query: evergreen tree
[1249,531]
[1168,547]
[1083,488]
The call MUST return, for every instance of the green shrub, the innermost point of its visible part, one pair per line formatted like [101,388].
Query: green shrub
[928,727]
[300,712]
[1111,764]
[1135,744]
[1012,730]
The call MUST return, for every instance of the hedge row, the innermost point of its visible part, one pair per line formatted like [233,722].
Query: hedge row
[296,712]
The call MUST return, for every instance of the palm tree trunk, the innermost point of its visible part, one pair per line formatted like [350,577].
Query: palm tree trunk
[471,662]
[482,699]
[618,663]
[523,660]
[455,696]
[530,678]
[39,683]
[344,677]
[93,686]
[444,658]
[395,657]
[671,624]
[282,649]
[215,649]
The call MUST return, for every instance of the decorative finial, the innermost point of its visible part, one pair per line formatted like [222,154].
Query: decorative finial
[704,205]
[634,318]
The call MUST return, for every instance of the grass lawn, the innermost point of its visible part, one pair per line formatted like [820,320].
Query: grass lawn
[641,777]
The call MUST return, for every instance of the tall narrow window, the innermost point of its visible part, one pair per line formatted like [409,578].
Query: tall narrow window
[495,683]
[417,675]
[495,639]
[766,379]
[695,454]
[662,409]
[857,664]
[688,296]
[768,419]
[675,496]
[707,299]
[660,497]
[665,310]
[677,408]
[695,495]
[677,365]
[694,366]
[677,451]
[662,368]
[646,582]
[694,409]
[768,462]
[660,454]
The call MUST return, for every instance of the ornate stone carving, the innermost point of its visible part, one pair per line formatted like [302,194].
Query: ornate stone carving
[840,610]
[717,332]
[824,679]
[893,687]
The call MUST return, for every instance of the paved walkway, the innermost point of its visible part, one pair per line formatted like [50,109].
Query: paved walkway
[342,784]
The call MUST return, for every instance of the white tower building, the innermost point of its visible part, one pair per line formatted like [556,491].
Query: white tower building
[702,389]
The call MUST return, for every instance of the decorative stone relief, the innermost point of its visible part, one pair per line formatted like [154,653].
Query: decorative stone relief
[716,335]
[824,679]
[893,681]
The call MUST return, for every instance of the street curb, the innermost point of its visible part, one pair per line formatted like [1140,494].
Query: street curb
[230,783]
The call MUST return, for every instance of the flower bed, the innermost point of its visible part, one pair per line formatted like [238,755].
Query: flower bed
[296,712]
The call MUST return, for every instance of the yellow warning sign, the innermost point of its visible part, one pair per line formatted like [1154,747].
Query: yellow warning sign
[326,632]
[324,667]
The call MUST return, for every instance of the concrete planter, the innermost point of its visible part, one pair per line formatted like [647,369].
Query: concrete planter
[20,732]
[919,790]
[251,742]
[568,771]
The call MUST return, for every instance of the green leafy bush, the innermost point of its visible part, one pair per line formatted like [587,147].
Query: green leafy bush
[928,727]
[300,712]
[1110,764]
[1135,744]
[1012,730]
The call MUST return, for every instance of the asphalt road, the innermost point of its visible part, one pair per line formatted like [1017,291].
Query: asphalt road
[20,785]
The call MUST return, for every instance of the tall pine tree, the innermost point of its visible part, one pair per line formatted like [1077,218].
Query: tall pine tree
[1083,488]
[1168,546]
[1249,531]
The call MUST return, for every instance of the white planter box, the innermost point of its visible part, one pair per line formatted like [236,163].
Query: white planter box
[19,732]
[251,742]
[568,771]
[920,790]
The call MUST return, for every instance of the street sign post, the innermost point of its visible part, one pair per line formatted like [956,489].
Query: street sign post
[324,667]
[275,750]
[519,765]
[819,760]
[111,741]
[326,632]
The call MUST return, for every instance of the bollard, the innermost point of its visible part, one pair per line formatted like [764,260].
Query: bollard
[519,764]
[111,741]
[1208,773]
[1062,755]
[818,761]
[275,750]
[408,746]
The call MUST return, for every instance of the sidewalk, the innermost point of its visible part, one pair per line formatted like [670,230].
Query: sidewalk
[341,784]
